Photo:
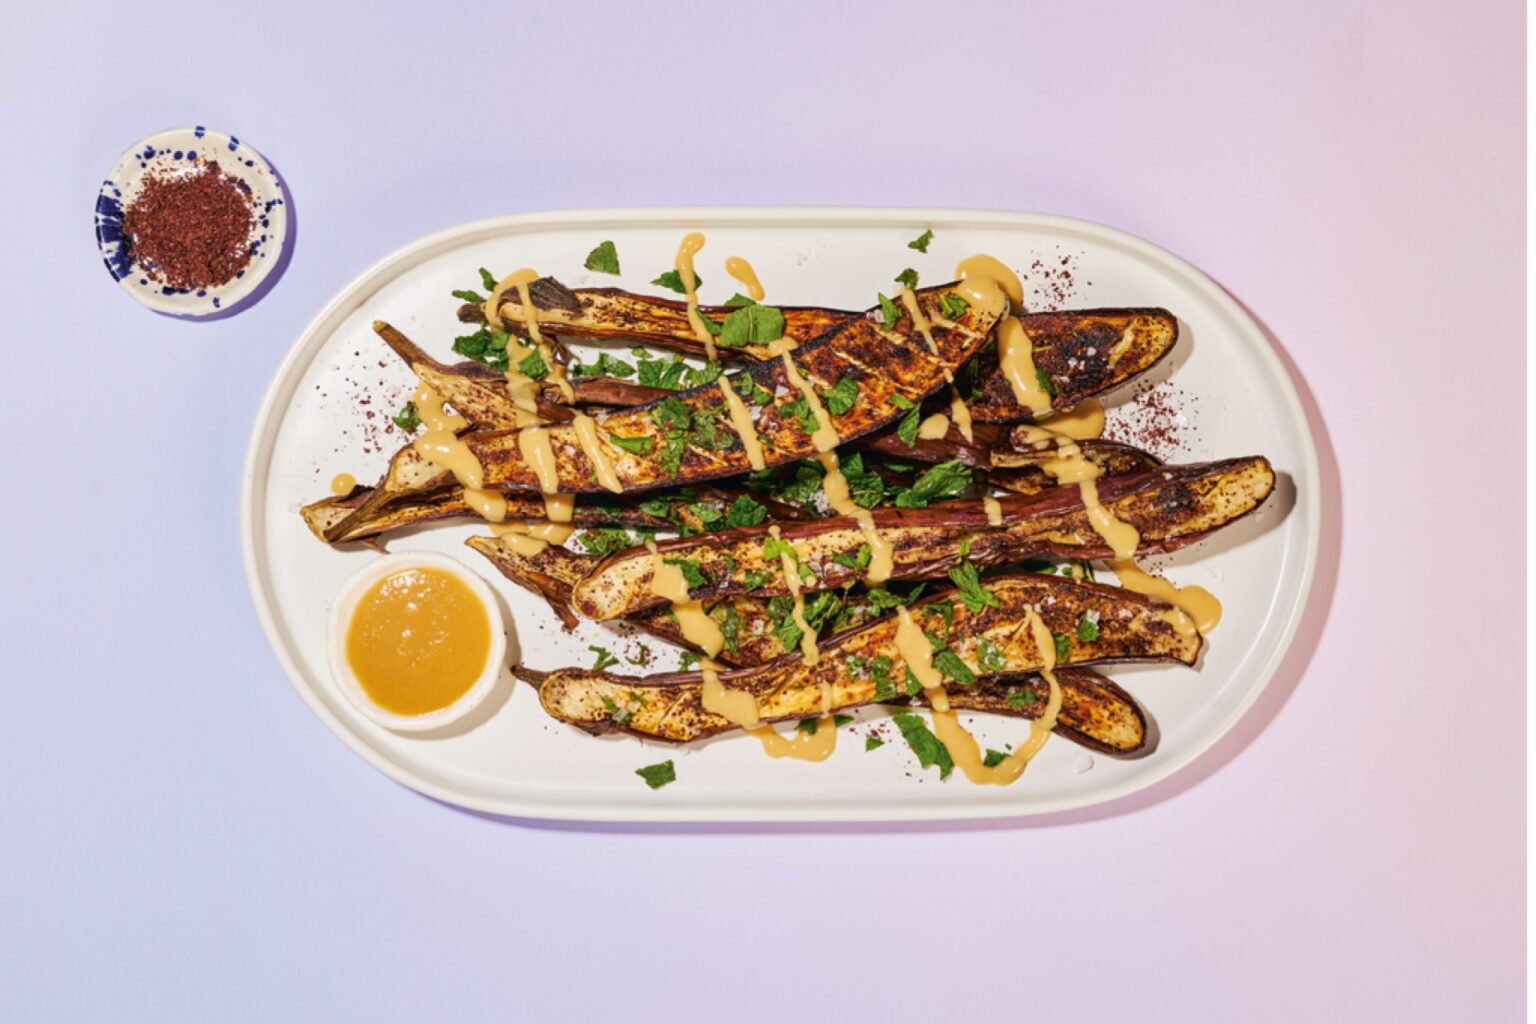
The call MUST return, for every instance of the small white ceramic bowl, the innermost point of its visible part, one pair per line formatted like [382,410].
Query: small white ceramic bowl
[341,618]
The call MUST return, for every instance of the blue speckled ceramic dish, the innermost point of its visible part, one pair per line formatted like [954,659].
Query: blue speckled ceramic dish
[164,152]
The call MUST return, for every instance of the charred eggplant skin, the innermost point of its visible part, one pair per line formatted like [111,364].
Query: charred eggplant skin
[1132,628]
[1170,506]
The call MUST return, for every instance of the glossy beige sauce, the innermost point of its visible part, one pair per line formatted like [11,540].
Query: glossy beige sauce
[1016,357]
[933,427]
[440,444]
[741,422]
[525,389]
[792,584]
[966,752]
[698,628]
[959,412]
[835,486]
[1083,422]
[742,271]
[418,640]
[692,242]
[825,438]
[991,269]
[342,484]
[533,444]
[592,447]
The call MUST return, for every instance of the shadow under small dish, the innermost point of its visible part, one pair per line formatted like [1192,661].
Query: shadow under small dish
[193,223]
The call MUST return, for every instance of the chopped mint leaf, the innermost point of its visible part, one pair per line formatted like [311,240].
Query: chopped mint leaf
[975,596]
[633,445]
[989,656]
[930,752]
[674,280]
[944,480]
[686,659]
[756,579]
[873,743]
[488,279]
[738,300]
[907,277]
[533,366]
[802,413]
[658,775]
[841,398]
[744,512]
[752,325]
[1019,698]
[604,659]
[1046,384]
[854,561]
[604,259]
[672,414]
[920,243]
[906,430]
[467,295]
[747,388]
[953,306]
[994,758]
[1063,646]
[692,574]
[606,540]
[729,620]
[949,663]
[890,313]
[407,419]
[606,366]
[1088,627]
[712,326]
[807,726]
[620,716]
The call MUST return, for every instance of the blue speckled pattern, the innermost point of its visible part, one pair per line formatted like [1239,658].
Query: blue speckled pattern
[164,152]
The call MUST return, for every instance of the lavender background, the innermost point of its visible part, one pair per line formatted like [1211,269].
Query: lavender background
[181,840]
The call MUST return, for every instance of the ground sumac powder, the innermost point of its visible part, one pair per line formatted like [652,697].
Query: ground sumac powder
[190,229]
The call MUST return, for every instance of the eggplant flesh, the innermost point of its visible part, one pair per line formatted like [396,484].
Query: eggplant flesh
[1131,628]
[1170,507]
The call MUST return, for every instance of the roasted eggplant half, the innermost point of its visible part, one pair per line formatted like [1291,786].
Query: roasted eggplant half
[1170,507]
[856,667]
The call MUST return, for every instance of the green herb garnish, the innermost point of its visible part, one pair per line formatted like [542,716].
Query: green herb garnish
[407,419]
[1063,646]
[1019,698]
[907,277]
[606,366]
[944,480]
[604,259]
[604,659]
[994,758]
[1046,384]
[633,445]
[738,300]
[953,306]
[467,295]
[533,366]
[906,430]
[873,743]
[1088,628]
[752,325]
[975,596]
[920,243]
[989,656]
[692,574]
[890,313]
[658,775]
[606,540]
[842,396]
[744,512]
[673,279]
[924,744]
